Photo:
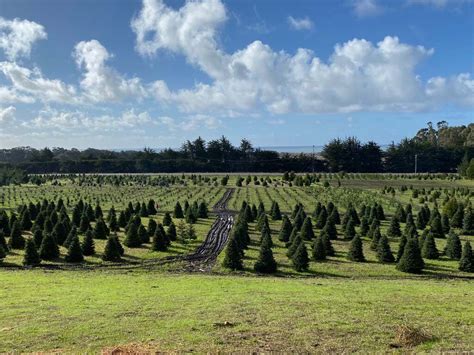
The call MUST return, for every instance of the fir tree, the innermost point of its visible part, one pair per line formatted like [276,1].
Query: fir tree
[3,242]
[275,213]
[233,255]
[118,245]
[322,218]
[330,229]
[436,227]
[458,217]
[294,245]
[59,233]
[151,227]
[445,223]
[202,210]
[300,258]
[74,252]
[178,211]
[453,248]
[319,249]
[411,260]
[84,225]
[171,232]
[191,232]
[349,231]
[384,253]
[375,239]
[401,246]
[31,257]
[394,228]
[167,219]
[468,222]
[159,242]
[143,234]
[88,247]
[151,207]
[16,241]
[328,245]
[364,226]
[49,250]
[307,229]
[132,240]
[26,223]
[3,253]
[100,229]
[285,231]
[356,252]
[72,234]
[38,236]
[429,250]
[466,263]
[265,263]
[111,251]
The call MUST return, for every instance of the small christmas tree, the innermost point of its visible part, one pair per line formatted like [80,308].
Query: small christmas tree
[356,252]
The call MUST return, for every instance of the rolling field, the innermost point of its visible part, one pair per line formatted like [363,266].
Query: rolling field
[144,305]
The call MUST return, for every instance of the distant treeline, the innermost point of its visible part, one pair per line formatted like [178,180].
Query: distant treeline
[438,149]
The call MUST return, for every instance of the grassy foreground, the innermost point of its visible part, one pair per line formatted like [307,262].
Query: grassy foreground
[88,311]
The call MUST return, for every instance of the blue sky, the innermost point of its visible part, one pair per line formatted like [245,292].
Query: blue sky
[129,74]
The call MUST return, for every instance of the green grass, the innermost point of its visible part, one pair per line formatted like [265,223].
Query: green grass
[87,311]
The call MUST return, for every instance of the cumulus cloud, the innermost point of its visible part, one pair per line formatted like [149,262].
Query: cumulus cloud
[10,95]
[7,115]
[18,36]
[191,123]
[101,82]
[359,75]
[300,23]
[32,82]
[365,8]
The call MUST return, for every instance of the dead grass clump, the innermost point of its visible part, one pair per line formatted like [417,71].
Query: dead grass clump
[409,336]
[129,349]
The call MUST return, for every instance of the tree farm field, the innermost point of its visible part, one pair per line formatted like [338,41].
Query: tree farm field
[155,297]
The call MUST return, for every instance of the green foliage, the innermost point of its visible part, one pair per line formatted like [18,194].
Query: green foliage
[300,258]
[49,250]
[132,240]
[466,263]
[233,255]
[384,253]
[356,252]
[16,241]
[411,260]
[453,248]
[429,250]
[88,245]
[31,257]
[319,249]
[160,241]
[112,250]
[266,262]
[74,253]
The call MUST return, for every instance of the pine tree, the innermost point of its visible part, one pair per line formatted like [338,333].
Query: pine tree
[429,250]
[202,210]
[356,252]
[171,232]
[159,242]
[319,249]
[72,234]
[16,241]
[394,228]
[349,231]
[84,225]
[411,260]
[143,234]
[74,253]
[265,263]
[307,229]
[191,232]
[100,229]
[330,229]
[118,245]
[468,222]
[167,219]
[436,228]
[466,263]
[329,249]
[111,251]
[300,258]
[26,223]
[453,248]
[59,233]
[275,213]
[3,254]
[375,239]
[285,231]
[445,223]
[38,236]
[384,253]
[322,218]
[364,226]
[401,246]
[457,219]
[151,207]
[49,250]
[178,211]
[31,257]
[233,255]
[151,227]
[88,247]
[294,245]
[132,240]
[3,242]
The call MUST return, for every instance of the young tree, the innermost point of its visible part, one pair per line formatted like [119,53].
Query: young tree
[453,248]
[285,231]
[436,228]
[171,232]
[111,251]
[401,246]
[159,242]
[429,250]
[3,242]
[72,234]
[394,228]
[167,219]
[411,260]
[74,253]
[466,263]
[143,234]
[468,222]
[178,211]
[233,255]
[31,257]
[191,233]
[266,262]
[132,240]
[384,253]
[151,227]
[356,252]
[319,249]
[49,250]
[307,229]
[275,212]
[101,230]
[375,239]
[329,249]
[88,247]
[349,231]
[300,258]
[16,241]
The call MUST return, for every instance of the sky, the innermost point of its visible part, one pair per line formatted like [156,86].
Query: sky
[154,73]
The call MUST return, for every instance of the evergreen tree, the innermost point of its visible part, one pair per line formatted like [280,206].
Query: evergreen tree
[375,239]
[74,253]
[113,223]
[59,233]
[401,246]
[49,250]
[445,223]
[411,260]
[436,227]
[394,228]
[31,257]
[319,249]
[364,226]
[167,219]
[330,229]
[335,216]
[294,245]
[265,263]
[171,232]
[118,245]
[88,245]
[356,252]
[151,227]
[202,210]
[466,263]
[159,242]
[151,207]
[233,255]
[275,213]
[429,250]
[329,249]
[72,234]
[3,254]
[132,240]
[190,217]
[468,222]
[26,223]
[100,229]
[307,229]
[453,248]
[349,231]
[84,225]
[300,258]
[143,234]
[38,236]
[322,218]
[458,217]
[111,251]
[3,242]
[191,232]
[285,231]
[178,211]
[16,241]
[384,253]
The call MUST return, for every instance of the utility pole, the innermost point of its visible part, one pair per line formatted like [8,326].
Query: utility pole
[312,160]
[416,163]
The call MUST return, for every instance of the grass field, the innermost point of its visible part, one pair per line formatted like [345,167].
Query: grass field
[335,306]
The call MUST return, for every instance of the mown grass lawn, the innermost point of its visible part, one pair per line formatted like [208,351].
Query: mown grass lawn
[80,311]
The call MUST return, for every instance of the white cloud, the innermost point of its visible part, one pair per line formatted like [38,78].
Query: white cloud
[18,36]
[101,82]
[7,115]
[359,75]
[9,95]
[300,23]
[191,123]
[365,8]
[65,121]
[32,82]
[438,3]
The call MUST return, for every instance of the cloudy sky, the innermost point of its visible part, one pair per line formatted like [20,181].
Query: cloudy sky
[130,74]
